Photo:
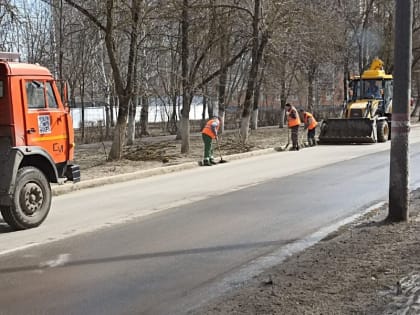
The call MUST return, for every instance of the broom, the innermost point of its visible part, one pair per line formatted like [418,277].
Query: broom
[220,152]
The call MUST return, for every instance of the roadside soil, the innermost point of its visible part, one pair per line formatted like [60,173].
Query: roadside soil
[160,151]
[366,267]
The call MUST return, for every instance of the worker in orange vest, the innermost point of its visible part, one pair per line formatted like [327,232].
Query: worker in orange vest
[209,133]
[310,124]
[293,122]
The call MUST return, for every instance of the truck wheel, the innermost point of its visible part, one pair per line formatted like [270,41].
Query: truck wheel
[383,130]
[31,200]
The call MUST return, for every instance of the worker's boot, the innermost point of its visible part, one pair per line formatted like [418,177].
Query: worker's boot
[206,163]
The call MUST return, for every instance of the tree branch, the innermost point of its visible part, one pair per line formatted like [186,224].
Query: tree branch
[85,12]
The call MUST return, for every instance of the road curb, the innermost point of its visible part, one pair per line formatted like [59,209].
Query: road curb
[70,187]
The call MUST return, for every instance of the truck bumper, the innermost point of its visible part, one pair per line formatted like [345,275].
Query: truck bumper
[73,173]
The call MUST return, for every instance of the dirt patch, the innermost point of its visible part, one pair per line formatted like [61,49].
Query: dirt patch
[158,151]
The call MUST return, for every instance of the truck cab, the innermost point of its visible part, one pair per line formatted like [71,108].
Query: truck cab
[36,142]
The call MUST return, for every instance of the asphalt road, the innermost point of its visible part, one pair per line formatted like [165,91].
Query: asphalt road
[164,244]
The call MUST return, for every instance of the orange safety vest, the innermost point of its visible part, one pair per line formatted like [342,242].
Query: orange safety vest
[309,117]
[207,130]
[291,122]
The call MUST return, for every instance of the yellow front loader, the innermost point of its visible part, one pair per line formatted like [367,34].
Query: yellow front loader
[366,117]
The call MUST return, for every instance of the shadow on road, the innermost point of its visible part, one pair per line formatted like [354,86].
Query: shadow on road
[193,251]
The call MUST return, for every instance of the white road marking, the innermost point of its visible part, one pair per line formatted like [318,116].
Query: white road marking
[61,260]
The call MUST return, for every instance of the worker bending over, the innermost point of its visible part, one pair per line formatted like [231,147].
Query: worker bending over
[209,133]
[293,122]
[310,125]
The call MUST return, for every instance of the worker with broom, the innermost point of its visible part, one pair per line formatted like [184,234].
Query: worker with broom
[209,133]
[293,122]
[310,125]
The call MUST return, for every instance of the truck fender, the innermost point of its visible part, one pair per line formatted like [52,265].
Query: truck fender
[40,158]
[9,166]
[18,157]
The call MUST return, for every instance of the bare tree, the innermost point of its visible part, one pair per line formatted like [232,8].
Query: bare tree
[124,86]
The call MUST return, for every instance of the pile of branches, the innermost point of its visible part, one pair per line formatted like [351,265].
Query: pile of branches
[233,145]
[158,151]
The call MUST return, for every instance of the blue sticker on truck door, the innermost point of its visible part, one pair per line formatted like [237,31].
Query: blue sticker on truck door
[44,124]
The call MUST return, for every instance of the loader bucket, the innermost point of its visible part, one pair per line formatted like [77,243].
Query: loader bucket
[351,130]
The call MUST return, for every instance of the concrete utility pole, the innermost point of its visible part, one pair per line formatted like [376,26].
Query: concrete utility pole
[399,168]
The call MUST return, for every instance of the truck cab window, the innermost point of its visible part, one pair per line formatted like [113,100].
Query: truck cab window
[52,102]
[35,94]
[1,89]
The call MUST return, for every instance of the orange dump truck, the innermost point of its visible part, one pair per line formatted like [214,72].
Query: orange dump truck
[36,141]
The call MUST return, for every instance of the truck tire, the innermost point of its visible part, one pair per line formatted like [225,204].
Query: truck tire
[32,200]
[382,130]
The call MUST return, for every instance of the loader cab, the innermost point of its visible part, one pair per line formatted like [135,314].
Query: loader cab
[372,89]
[380,89]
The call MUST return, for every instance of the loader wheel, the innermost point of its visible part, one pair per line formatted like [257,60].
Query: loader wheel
[31,200]
[383,130]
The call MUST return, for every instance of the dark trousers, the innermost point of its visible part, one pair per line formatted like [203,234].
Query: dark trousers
[295,131]
[208,147]
[311,137]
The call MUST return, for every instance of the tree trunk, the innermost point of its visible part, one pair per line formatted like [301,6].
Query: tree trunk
[131,130]
[144,116]
[311,78]
[113,104]
[173,121]
[203,113]
[256,102]
[222,80]
[82,108]
[257,51]
[107,122]
[254,119]
[185,112]
[221,116]
[117,147]
[244,128]
[283,96]
[185,135]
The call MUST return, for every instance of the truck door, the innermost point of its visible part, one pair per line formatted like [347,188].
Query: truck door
[46,123]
